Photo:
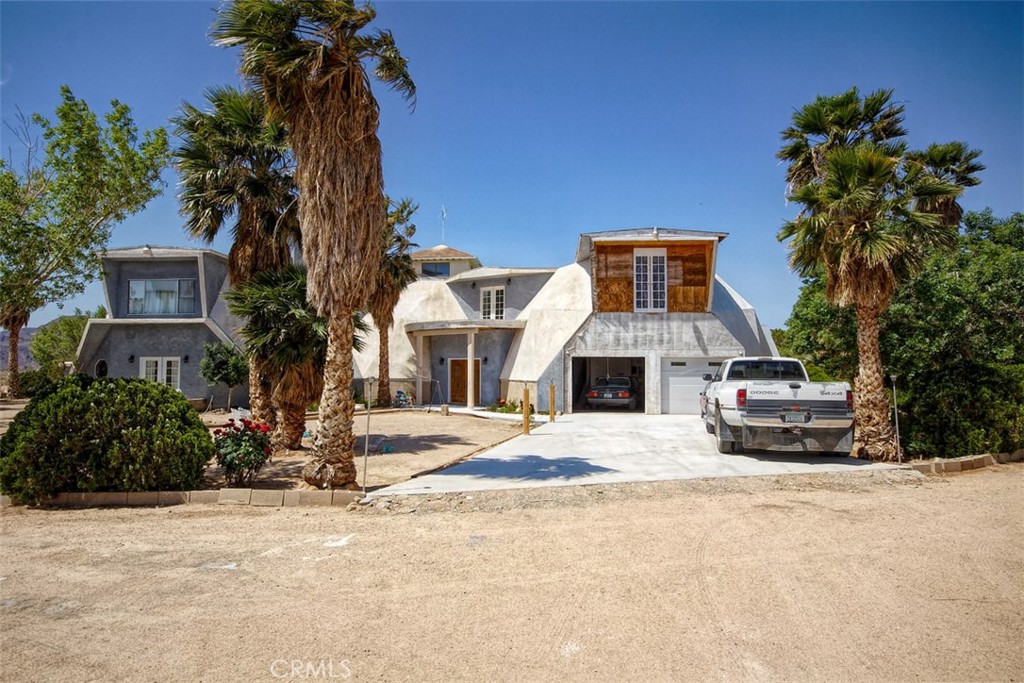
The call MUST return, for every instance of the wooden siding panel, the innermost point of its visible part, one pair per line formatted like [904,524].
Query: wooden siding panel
[689,276]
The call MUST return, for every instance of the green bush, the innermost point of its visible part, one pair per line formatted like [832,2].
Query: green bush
[34,383]
[104,435]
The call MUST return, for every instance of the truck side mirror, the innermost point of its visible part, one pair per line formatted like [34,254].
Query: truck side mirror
[706,377]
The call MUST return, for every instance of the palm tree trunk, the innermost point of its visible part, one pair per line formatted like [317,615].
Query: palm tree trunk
[259,397]
[291,425]
[873,432]
[334,463]
[384,370]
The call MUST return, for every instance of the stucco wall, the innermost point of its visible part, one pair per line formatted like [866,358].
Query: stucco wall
[216,271]
[120,273]
[518,293]
[122,341]
[490,344]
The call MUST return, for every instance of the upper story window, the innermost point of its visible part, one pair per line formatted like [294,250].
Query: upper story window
[492,303]
[436,269]
[650,277]
[161,297]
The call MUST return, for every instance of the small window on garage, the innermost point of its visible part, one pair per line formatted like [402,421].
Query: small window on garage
[679,364]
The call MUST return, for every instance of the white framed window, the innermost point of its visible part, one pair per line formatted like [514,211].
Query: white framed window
[650,280]
[162,297]
[492,303]
[163,370]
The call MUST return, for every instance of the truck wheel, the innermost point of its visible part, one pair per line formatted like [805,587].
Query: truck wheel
[723,445]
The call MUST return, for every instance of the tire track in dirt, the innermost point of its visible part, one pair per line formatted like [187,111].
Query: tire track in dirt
[728,652]
[803,609]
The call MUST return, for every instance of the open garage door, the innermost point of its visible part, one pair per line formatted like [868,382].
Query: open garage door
[681,384]
[586,372]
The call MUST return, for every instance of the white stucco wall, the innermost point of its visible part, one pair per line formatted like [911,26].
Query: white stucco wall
[422,301]
[553,316]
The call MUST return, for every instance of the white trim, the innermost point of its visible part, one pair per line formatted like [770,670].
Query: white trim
[202,284]
[494,298]
[219,332]
[161,369]
[649,254]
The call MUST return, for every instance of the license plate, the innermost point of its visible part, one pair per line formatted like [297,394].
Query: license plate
[794,417]
[607,395]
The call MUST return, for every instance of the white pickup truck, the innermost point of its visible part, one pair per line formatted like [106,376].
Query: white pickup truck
[769,404]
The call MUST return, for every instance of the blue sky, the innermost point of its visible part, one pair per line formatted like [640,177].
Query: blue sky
[537,121]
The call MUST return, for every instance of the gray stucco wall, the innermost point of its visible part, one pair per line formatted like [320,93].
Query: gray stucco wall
[120,273]
[490,344]
[176,341]
[518,293]
[216,271]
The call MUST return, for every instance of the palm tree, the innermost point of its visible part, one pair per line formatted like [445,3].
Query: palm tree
[870,212]
[234,162]
[290,339]
[395,274]
[308,60]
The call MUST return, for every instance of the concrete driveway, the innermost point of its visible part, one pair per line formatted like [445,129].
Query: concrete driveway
[606,448]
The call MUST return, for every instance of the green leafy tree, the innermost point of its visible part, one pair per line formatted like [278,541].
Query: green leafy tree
[395,274]
[223,363]
[237,172]
[289,338]
[57,209]
[309,60]
[953,336]
[870,210]
[56,342]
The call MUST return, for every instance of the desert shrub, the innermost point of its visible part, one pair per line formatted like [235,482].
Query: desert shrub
[34,383]
[104,435]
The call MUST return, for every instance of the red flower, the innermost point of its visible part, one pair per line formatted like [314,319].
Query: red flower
[267,450]
[264,428]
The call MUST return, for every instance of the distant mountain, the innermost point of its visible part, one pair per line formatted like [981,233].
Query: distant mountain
[24,358]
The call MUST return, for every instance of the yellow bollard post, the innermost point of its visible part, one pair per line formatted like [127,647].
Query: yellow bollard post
[551,402]
[526,410]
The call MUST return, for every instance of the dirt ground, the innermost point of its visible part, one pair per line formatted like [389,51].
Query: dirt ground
[402,443]
[884,576]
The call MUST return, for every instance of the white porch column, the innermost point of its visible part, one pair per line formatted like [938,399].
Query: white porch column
[470,369]
[420,367]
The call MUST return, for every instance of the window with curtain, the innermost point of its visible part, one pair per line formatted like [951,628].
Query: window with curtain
[161,297]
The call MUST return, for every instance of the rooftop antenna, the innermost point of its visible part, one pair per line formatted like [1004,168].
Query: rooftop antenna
[444,217]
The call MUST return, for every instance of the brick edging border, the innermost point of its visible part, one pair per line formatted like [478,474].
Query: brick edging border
[968,462]
[313,498]
[251,497]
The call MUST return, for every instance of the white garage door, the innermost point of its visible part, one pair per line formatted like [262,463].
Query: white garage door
[681,384]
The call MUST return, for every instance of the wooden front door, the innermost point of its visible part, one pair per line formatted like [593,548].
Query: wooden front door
[458,368]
